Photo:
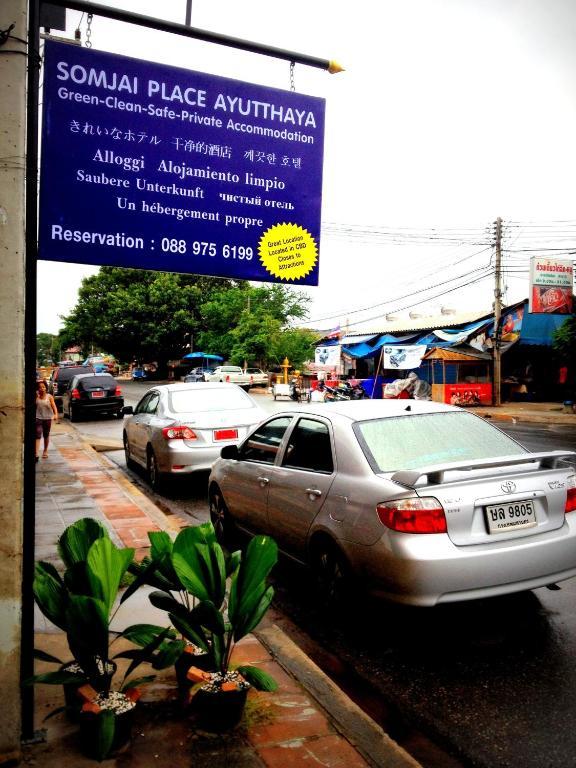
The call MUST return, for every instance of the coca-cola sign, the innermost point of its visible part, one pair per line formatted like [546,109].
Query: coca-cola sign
[551,286]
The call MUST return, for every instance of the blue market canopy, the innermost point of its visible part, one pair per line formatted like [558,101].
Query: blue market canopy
[538,329]
[365,349]
[529,329]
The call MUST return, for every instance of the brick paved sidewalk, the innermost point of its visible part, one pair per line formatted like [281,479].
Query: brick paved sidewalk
[296,726]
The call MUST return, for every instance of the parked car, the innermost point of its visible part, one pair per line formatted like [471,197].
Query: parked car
[198,374]
[421,503]
[91,394]
[229,373]
[138,373]
[177,429]
[257,377]
[61,377]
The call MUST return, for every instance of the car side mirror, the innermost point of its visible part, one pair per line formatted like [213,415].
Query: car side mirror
[230,452]
[127,410]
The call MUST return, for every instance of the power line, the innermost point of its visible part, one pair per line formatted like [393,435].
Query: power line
[422,301]
[400,298]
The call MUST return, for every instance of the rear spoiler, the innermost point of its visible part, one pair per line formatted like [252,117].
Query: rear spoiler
[435,473]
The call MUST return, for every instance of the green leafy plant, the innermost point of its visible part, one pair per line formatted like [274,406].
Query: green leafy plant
[212,598]
[231,600]
[82,602]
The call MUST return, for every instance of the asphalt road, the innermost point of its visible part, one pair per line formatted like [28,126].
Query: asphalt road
[491,682]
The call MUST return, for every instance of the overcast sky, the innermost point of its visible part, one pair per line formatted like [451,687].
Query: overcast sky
[450,113]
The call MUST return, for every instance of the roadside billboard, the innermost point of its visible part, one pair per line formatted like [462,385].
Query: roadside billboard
[156,167]
[403,357]
[328,356]
[551,286]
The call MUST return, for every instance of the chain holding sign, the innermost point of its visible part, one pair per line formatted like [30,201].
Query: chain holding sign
[150,166]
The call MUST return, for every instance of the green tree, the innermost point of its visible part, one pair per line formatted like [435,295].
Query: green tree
[247,323]
[47,348]
[138,314]
[564,339]
[297,344]
[564,344]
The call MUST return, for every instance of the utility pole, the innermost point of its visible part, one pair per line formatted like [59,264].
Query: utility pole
[497,377]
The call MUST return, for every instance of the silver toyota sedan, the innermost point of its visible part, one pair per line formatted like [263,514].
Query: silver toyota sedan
[421,503]
[180,428]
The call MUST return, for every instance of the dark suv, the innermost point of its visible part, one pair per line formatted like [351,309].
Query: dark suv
[61,377]
[92,393]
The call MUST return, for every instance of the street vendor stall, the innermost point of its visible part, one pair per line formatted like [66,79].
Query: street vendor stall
[458,377]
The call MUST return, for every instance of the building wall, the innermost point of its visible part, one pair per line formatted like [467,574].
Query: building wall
[12,286]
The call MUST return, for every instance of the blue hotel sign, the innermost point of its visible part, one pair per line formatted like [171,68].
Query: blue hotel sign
[150,166]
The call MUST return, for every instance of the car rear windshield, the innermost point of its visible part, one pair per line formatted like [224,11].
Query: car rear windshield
[71,371]
[412,442]
[192,400]
[97,381]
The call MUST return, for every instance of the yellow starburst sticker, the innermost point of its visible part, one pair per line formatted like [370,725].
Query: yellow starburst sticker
[287,251]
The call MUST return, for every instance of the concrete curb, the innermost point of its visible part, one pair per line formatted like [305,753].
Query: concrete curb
[353,723]
[531,418]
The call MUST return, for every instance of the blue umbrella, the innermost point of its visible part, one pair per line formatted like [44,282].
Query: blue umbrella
[203,355]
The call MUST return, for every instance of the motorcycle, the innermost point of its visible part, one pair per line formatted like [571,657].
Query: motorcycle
[351,391]
[333,394]
[294,390]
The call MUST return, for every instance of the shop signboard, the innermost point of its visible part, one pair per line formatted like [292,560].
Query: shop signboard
[403,357]
[151,166]
[466,394]
[327,357]
[551,285]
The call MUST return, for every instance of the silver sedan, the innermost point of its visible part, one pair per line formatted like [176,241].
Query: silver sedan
[419,502]
[180,428]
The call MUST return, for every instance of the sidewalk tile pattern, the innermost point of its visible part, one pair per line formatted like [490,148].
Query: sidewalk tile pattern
[279,730]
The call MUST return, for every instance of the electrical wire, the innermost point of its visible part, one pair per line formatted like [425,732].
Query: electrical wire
[422,301]
[435,271]
[400,298]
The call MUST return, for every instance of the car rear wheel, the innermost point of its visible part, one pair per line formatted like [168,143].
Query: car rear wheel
[128,454]
[155,477]
[220,517]
[72,413]
[331,575]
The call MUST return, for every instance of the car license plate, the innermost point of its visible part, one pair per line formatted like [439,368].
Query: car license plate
[510,516]
[225,434]
[98,394]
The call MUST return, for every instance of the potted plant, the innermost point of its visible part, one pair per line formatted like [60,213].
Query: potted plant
[227,610]
[82,602]
[191,647]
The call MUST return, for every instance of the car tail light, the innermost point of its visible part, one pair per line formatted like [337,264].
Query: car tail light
[117,392]
[419,515]
[178,433]
[571,495]
[75,395]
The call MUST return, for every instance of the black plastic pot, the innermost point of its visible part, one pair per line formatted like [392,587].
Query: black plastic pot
[90,733]
[218,711]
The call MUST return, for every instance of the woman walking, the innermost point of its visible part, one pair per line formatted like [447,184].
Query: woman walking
[45,411]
